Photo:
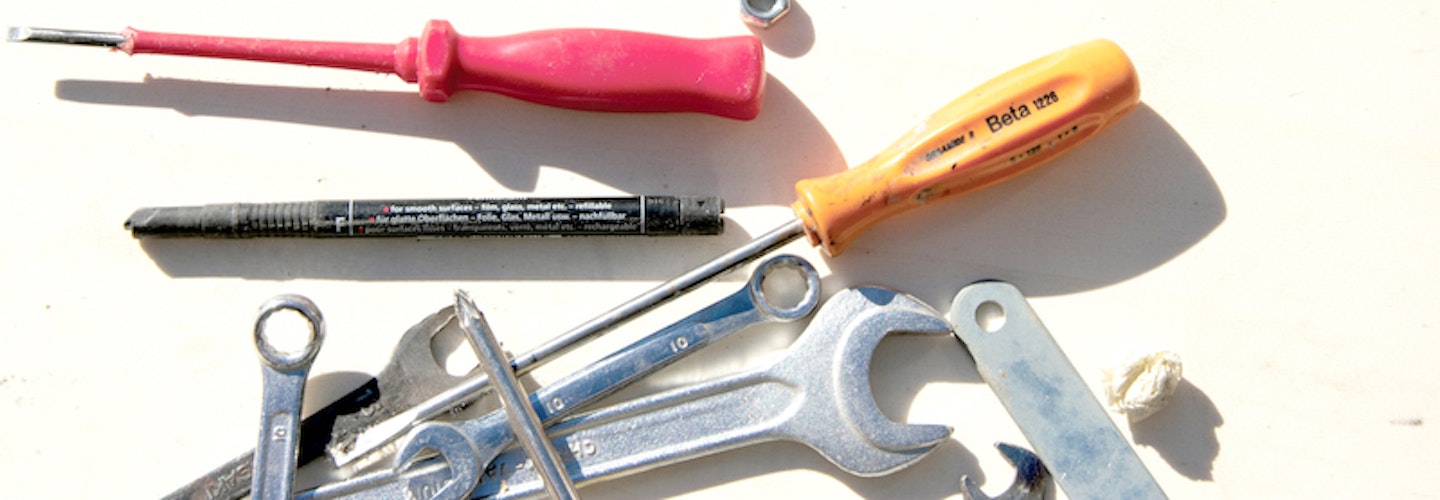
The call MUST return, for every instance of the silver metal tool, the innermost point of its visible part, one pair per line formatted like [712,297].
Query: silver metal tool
[1030,477]
[1054,408]
[344,451]
[746,307]
[284,379]
[458,463]
[749,306]
[413,384]
[73,37]
[411,376]
[524,424]
[818,394]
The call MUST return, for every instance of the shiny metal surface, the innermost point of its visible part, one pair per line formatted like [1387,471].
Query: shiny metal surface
[1030,482]
[347,450]
[1045,395]
[284,379]
[749,306]
[450,478]
[524,424]
[729,315]
[818,394]
[411,376]
[71,37]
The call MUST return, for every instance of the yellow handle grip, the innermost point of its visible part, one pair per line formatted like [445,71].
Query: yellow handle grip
[1004,127]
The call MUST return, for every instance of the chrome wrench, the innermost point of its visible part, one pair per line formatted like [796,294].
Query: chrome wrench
[411,376]
[818,394]
[1049,401]
[412,385]
[284,379]
[746,307]
[345,451]
[460,466]
[413,388]
[1030,477]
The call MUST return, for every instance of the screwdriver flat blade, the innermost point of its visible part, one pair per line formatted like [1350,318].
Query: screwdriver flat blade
[71,37]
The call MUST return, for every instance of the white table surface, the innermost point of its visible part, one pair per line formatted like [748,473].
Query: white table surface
[1269,212]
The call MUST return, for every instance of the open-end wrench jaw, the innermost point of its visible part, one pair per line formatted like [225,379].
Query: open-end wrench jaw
[412,375]
[452,477]
[816,394]
[455,449]
[1031,478]
[843,336]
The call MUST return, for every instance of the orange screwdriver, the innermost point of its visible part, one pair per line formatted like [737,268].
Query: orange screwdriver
[1004,127]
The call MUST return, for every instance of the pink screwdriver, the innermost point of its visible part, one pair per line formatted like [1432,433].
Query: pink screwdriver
[588,69]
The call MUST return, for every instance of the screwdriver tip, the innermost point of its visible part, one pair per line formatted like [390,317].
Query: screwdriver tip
[464,305]
[73,37]
[17,34]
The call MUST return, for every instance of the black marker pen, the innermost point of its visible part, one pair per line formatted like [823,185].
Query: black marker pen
[620,216]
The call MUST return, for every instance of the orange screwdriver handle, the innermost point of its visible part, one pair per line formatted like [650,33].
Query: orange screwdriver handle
[1000,129]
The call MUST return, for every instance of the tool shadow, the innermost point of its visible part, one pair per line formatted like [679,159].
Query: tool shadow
[512,139]
[1128,201]
[659,153]
[792,37]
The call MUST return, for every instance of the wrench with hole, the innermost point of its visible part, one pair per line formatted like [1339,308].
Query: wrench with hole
[749,306]
[452,478]
[411,376]
[284,391]
[346,451]
[1046,396]
[818,394]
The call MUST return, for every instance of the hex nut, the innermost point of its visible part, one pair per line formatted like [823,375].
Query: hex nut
[763,13]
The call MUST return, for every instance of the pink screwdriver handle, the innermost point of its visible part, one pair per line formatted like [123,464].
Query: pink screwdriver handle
[589,69]
[593,69]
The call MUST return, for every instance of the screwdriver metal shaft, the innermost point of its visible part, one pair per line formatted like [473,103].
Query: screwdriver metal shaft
[72,37]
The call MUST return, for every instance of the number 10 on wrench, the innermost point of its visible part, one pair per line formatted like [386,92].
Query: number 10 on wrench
[284,379]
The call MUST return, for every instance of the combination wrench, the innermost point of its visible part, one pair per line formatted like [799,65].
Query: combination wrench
[413,387]
[461,467]
[284,379]
[412,375]
[371,439]
[818,394]
[749,306]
